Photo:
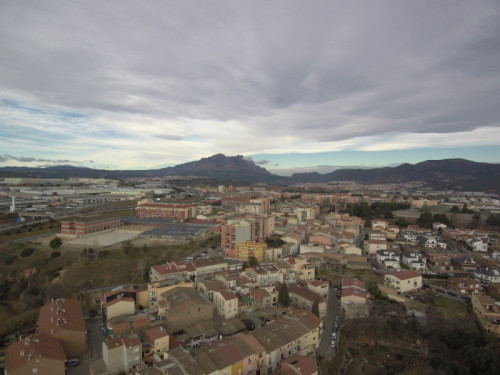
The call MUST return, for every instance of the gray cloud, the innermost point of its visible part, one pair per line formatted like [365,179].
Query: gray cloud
[262,162]
[315,72]
[25,159]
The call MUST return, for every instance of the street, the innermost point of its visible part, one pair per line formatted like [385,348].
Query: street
[94,347]
[333,310]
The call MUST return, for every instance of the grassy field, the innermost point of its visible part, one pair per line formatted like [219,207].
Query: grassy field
[29,230]
[337,273]
[118,266]
[449,307]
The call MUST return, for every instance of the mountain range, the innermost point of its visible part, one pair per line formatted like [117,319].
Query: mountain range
[456,174]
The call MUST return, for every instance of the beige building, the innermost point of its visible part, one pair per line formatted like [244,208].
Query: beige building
[319,287]
[122,354]
[226,303]
[119,306]
[488,312]
[182,307]
[149,297]
[352,250]
[372,246]
[249,249]
[304,298]
[404,281]
[159,339]
[296,332]
[354,299]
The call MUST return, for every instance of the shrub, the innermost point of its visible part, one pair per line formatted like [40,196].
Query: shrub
[26,252]
[55,254]
[9,259]
[55,243]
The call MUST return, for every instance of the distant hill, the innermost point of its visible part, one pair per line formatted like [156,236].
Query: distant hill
[448,173]
[229,168]
[458,174]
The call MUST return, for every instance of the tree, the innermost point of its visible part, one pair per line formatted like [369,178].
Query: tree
[55,243]
[142,268]
[425,220]
[126,246]
[283,296]
[402,223]
[455,209]
[252,261]
[315,308]
[477,220]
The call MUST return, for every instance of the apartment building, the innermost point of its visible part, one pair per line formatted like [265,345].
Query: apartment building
[35,354]
[63,320]
[177,211]
[244,251]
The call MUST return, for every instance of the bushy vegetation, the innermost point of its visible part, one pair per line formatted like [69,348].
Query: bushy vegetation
[377,210]
[27,251]
[55,254]
[493,219]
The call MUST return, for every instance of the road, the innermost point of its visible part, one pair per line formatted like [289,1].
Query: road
[333,310]
[361,237]
[34,238]
[94,347]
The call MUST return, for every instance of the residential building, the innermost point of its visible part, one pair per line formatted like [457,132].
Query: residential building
[158,338]
[325,239]
[304,298]
[389,259]
[404,281]
[35,354]
[465,286]
[488,313]
[118,307]
[63,319]
[296,332]
[244,251]
[122,354]
[170,271]
[466,263]
[372,246]
[487,275]
[319,287]
[182,307]
[415,260]
[298,365]
[354,299]
[226,303]
[177,211]
[209,266]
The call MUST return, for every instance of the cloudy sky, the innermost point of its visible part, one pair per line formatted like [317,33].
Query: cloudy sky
[295,85]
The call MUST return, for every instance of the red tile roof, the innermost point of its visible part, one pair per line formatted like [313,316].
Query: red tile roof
[116,300]
[34,346]
[317,283]
[228,295]
[405,275]
[111,344]
[155,333]
[300,365]
[61,314]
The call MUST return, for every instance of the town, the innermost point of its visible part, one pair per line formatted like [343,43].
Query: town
[165,276]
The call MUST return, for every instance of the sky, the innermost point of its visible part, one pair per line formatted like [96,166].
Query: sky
[292,85]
